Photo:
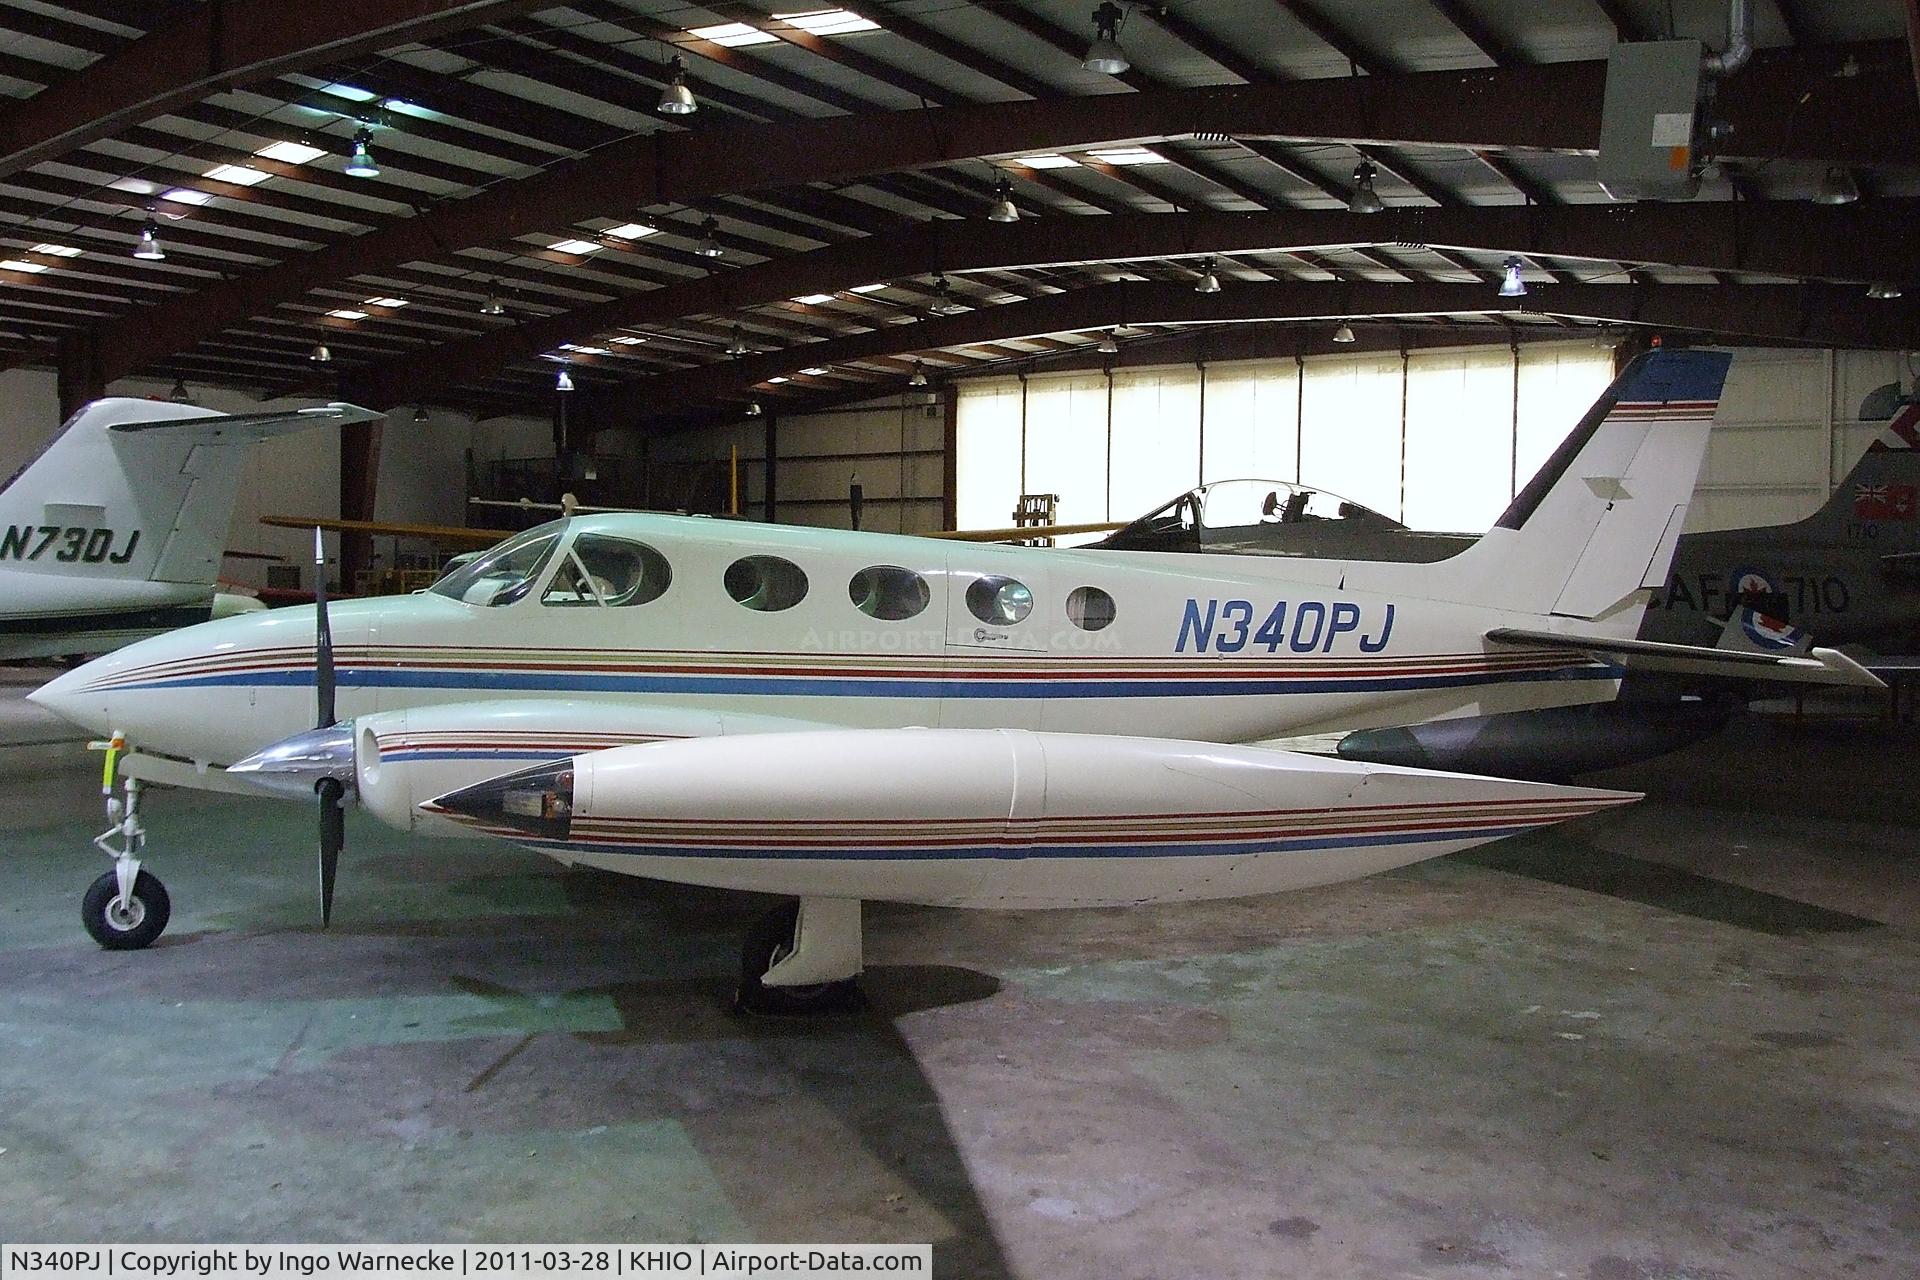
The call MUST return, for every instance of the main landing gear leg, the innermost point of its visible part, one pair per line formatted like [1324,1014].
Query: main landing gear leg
[803,958]
[126,908]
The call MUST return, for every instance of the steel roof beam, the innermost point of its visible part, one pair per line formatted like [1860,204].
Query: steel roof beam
[219,46]
[1866,241]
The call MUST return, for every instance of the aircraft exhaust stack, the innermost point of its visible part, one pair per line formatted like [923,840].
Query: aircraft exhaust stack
[535,802]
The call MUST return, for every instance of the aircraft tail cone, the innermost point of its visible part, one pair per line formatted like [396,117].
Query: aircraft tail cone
[536,801]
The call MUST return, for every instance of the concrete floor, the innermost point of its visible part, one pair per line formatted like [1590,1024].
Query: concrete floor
[1676,1041]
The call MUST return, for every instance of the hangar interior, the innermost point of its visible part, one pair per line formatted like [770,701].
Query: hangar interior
[920,266]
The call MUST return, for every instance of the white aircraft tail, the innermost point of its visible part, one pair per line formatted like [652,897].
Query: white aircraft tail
[1594,531]
[139,489]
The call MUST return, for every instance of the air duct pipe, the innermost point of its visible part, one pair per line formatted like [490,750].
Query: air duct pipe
[1739,41]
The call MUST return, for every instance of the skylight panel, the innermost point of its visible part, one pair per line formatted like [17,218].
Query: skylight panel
[291,152]
[347,313]
[814,299]
[814,372]
[21,264]
[1047,160]
[584,350]
[138,186]
[392,303]
[57,250]
[631,231]
[828,22]
[240,175]
[733,34]
[575,246]
[1128,155]
[185,195]
[867,288]
[774,380]
[626,340]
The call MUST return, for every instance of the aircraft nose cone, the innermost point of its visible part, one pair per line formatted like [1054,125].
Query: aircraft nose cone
[71,697]
[295,766]
[538,801]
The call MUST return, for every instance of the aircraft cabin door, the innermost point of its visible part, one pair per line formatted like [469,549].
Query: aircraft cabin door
[999,630]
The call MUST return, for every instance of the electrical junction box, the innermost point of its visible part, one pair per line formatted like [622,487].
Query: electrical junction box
[1647,123]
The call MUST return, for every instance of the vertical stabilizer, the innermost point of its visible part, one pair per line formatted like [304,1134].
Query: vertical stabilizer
[1595,529]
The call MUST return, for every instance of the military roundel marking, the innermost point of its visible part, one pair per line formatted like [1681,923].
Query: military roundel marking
[1750,582]
[1768,632]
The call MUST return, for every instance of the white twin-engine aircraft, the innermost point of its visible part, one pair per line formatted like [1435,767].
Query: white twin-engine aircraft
[113,531]
[841,716]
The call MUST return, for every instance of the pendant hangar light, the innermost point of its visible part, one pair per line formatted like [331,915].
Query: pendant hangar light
[677,99]
[360,164]
[737,346]
[1209,281]
[1882,292]
[710,246]
[1003,209]
[1364,198]
[1104,55]
[1344,334]
[320,354]
[1109,345]
[180,394]
[944,300]
[149,250]
[919,378]
[753,409]
[564,382]
[1511,285]
[1838,187]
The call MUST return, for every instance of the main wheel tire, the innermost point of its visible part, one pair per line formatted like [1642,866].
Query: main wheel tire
[126,926]
[768,942]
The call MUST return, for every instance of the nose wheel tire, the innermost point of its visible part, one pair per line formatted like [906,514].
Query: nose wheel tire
[769,941]
[125,925]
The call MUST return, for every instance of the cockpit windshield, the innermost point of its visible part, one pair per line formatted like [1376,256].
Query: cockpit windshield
[503,574]
[1229,512]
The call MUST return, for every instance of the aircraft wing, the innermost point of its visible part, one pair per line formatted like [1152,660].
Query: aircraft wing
[431,532]
[1818,666]
[254,426]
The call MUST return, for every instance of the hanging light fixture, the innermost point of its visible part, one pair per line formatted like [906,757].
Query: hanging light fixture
[180,394]
[1838,187]
[710,246]
[320,354]
[753,408]
[1344,334]
[360,164]
[1104,54]
[564,382]
[492,306]
[1511,285]
[149,249]
[1209,281]
[738,345]
[1364,198]
[944,300]
[919,378]
[1883,292]
[677,99]
[1109,345]
[419,413]
[1003,209]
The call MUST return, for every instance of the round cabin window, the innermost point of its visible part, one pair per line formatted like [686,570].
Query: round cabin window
[888,592]
[1000,601]
[1089,608]
[766,584]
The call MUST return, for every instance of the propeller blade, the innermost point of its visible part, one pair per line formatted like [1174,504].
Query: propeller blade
[322,640]
[333,834]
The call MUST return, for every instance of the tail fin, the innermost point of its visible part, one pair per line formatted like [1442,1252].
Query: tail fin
[1882,490]
[139,489]
[1595,529]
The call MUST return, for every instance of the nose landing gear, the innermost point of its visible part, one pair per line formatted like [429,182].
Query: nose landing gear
[803,959]
[126,908]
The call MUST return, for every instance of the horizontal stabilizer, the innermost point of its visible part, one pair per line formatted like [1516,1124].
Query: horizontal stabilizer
[1819,666]
[253,426]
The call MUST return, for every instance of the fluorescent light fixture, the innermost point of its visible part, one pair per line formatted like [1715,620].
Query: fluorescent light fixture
[138,186]
[631,231]
[867,288]
[575,246]
[385,302]
[239,175]
[21,264]
[1128,155]
[291,152]
[185,195]
[57,250]
[626,340]
[828,22]
[584,350]
[352,93]
[814,299]
[347,313]
[733,34]
[1047,160]
[814,372]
